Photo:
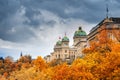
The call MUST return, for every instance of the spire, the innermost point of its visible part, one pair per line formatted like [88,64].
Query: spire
[65,33]
[107,13]
[21,54]
[107,9]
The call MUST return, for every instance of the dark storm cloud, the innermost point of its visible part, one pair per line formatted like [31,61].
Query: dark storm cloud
[14,30]
[88,10]
[7,7]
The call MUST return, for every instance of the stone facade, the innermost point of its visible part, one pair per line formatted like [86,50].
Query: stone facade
[112,27]
[63,51]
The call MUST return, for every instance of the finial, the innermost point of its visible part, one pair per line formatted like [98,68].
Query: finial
[80,28]
[65,33]
[21,54]
[107,9]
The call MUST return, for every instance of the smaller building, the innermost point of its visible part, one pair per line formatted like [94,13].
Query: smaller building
[110,25]
[63,51]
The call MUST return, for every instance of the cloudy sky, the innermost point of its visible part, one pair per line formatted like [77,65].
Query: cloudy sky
[33,26]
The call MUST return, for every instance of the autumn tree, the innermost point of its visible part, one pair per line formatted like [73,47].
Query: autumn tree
[24,61]
[102,42]
[61,72]
[39,63]
[106,55]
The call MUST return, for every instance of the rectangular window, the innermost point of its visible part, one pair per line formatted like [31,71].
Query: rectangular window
[65,55]
[65,51]
[108,26]
[118,26]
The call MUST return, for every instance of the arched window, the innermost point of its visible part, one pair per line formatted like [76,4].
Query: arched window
[59,56]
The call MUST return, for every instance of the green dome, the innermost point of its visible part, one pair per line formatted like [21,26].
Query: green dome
[80,32]
[59,42]
[65,38]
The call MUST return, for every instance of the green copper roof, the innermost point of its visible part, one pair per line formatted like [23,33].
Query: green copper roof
[65,38]
[59,42]
[80,32]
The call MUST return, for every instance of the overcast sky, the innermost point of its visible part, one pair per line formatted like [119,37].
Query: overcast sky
[34,26]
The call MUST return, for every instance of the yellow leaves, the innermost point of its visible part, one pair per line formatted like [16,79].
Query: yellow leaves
[40,64]
[115,47]
[24,74]
[5,74]
[94,66]
[108,63]
[61,72]
[82,69]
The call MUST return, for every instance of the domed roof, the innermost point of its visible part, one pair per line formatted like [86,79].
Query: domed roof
[65,38]
[80,32]
[59,42]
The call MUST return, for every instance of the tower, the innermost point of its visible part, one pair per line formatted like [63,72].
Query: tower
[57,49]
[80,41]
[65,41]
[58,45]
[79,36]
[65,47]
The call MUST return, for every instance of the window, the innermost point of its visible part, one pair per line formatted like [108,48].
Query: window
[65,55]
[65,44]
[65,51]
[118,26]
[111,36]
[59,56]
[108,26]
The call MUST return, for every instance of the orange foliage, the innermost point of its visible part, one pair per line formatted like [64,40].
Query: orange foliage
[102,44]
[61,72]
[80,69]
[116,33]
[39,63]
[102,62]
[5,74]
[94,66]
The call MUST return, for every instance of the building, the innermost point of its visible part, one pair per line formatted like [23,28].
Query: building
[110,25]
[63,51]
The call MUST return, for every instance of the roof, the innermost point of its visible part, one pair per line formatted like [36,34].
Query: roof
[58,42]
[65,38]
[115,20]
[80,32]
